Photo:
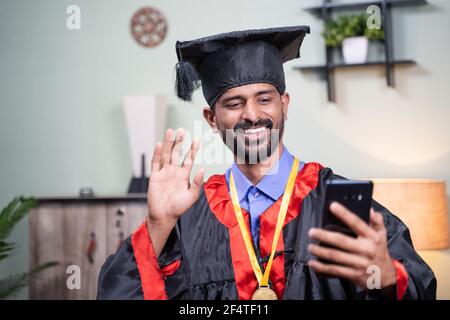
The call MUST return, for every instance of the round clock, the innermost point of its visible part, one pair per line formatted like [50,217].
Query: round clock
[148,27]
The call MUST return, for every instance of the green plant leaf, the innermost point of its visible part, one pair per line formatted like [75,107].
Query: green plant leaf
[11,285]
[5,249]
[345,26]
[10,215]
[13,213]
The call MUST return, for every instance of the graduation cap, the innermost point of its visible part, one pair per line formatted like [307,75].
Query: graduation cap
[233,59]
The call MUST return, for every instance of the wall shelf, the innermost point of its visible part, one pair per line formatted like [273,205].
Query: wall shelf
[325,11]
[322,68]
[362,4]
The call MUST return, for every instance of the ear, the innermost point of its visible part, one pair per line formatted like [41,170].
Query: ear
[285,100]
[210,117]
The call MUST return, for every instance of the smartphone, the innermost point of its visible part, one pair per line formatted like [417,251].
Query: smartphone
[355,195]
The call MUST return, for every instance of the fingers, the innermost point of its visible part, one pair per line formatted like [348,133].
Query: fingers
[156,159]
[338,256]
[334,270]
[376,220]
[175,158]
[168,152]
[198,179]
[354,222]
[341,241]
[190,156]
[167,147]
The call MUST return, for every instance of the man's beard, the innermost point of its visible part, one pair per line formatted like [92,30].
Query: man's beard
[256,150]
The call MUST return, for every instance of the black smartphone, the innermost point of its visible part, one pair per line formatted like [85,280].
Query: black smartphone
[355,195]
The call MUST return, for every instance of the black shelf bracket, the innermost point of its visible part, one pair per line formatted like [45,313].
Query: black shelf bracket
[387,26]
[329,76]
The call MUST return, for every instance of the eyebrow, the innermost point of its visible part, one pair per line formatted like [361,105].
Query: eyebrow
[228,99]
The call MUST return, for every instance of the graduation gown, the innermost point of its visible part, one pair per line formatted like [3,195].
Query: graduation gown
[205,255]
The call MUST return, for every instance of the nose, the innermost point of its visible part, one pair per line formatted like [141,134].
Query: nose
[250,112]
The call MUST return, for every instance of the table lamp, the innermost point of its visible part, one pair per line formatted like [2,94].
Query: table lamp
[145,117]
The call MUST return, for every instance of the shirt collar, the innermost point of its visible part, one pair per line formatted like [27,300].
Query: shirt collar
[272,184]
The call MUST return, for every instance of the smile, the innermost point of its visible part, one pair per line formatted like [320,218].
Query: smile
[255,130]
[252,133]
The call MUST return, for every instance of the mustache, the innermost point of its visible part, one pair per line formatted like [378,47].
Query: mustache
[244,125]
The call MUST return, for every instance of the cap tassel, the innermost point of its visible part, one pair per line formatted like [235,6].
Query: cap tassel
[187,80]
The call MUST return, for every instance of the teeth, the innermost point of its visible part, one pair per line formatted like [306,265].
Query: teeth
[257,130]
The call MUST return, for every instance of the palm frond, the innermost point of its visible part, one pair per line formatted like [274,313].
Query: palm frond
[9,217]
[35,271]
[11,285]
[6,248]
[13,213]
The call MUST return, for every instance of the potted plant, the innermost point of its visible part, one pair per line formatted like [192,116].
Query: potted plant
[9,217]
[351,32]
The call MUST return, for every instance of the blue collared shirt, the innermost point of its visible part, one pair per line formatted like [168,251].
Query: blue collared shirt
[257,199]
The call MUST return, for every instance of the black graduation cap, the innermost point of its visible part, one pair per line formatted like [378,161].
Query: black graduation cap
[233,59]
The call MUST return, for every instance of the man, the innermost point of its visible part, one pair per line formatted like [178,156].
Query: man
[253,233]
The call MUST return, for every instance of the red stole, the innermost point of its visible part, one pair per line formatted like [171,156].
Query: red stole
[216,191]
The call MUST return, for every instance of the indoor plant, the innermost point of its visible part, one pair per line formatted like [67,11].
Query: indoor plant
[9,217]
[352,33]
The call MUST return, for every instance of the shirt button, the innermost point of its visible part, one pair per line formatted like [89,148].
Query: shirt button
[256,194]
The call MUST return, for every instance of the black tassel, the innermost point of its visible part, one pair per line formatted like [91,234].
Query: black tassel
[187,80]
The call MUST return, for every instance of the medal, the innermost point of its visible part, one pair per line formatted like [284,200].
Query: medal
[264,292]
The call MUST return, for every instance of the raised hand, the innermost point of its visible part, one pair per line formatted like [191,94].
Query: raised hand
[170,192]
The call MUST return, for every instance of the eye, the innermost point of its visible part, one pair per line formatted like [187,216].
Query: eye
[233,105]
[265,100]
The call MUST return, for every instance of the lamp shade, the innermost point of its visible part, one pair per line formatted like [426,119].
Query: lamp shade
[421,204]
[145,118]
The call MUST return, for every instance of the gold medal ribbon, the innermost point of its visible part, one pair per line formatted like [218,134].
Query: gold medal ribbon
[263,280]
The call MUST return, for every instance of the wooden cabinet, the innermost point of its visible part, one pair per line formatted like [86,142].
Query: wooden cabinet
[79,234]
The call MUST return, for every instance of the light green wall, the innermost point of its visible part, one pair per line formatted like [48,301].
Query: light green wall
[62,127]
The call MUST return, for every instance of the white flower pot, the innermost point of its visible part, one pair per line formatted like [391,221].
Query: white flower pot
[354,49]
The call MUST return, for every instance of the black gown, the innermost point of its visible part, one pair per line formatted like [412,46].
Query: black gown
[205,256]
